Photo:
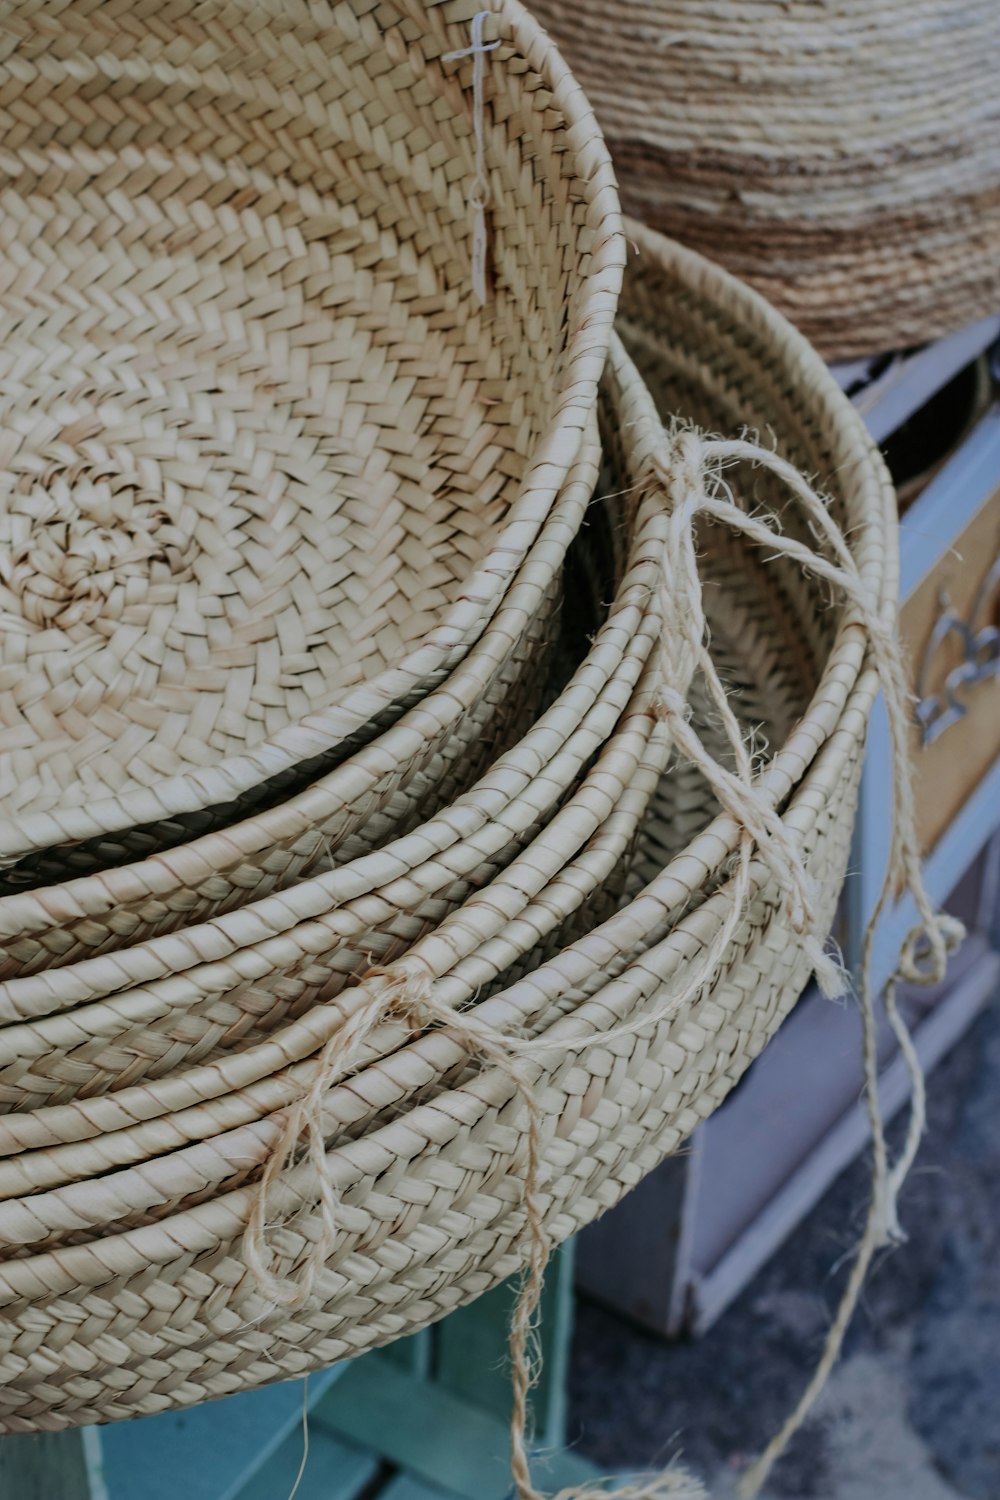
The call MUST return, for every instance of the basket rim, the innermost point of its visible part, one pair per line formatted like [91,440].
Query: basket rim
[781,774]
[217,1223]
[809,796]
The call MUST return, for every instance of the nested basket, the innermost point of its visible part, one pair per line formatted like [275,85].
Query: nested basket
[844,158]
[425,1138]
[269,466]
[106,1025]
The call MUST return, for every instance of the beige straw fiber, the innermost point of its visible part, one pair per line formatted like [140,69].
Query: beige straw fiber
[843,156]
[375,794]
[508,1072]
[269,463]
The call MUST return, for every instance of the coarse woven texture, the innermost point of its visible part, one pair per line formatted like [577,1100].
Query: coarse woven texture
[185,1000]
[626,1040]
[268,466]
[379,790]
[155,1008]
[843,157]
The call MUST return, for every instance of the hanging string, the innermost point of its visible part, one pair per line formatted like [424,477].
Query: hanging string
[300,1474]
[688,471]
[479,192]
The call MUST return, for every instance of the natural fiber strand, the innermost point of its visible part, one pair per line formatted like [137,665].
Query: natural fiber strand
[694,458]
[479,192]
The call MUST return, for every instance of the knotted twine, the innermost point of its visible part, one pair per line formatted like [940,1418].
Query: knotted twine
[688,470]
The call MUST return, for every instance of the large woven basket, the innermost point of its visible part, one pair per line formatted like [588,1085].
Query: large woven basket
[269,467]
[186,1012]
[425,1144]
[842,157]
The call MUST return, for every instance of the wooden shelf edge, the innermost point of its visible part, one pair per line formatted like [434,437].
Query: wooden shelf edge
[711,1293]
[914,378]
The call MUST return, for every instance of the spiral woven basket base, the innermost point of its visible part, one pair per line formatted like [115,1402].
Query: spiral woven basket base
[268,465]
[201,514]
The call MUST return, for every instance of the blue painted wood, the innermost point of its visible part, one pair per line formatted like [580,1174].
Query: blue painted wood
[470,1350]
[334,1470]
[446,1442]
[901,391]
[954,496]
[414,1353]
[406,1487]
[208,1452]
[94,1453]
[46,1466]
[929,528]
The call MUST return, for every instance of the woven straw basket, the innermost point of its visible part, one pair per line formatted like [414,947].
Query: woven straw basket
[129,1292]
[269,467]
[843,157]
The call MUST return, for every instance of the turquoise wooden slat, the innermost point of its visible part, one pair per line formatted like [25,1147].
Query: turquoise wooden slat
[50,1466]
[421,1428]
[334,1470]
[414,1353]
[446,1442]
[209,1452]
[405,1487]
[471,1361]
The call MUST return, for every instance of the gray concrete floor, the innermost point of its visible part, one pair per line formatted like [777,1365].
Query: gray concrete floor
[913,1412]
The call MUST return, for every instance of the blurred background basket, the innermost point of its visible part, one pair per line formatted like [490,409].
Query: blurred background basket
[843,158]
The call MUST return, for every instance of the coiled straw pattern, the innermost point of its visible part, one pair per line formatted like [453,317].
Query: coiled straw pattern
[843,158]
[350,1179]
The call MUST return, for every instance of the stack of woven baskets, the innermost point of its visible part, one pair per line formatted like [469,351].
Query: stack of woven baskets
[427,763]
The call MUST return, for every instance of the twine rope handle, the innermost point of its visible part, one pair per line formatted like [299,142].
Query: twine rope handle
[700,463]
[688,470]
[479,193]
